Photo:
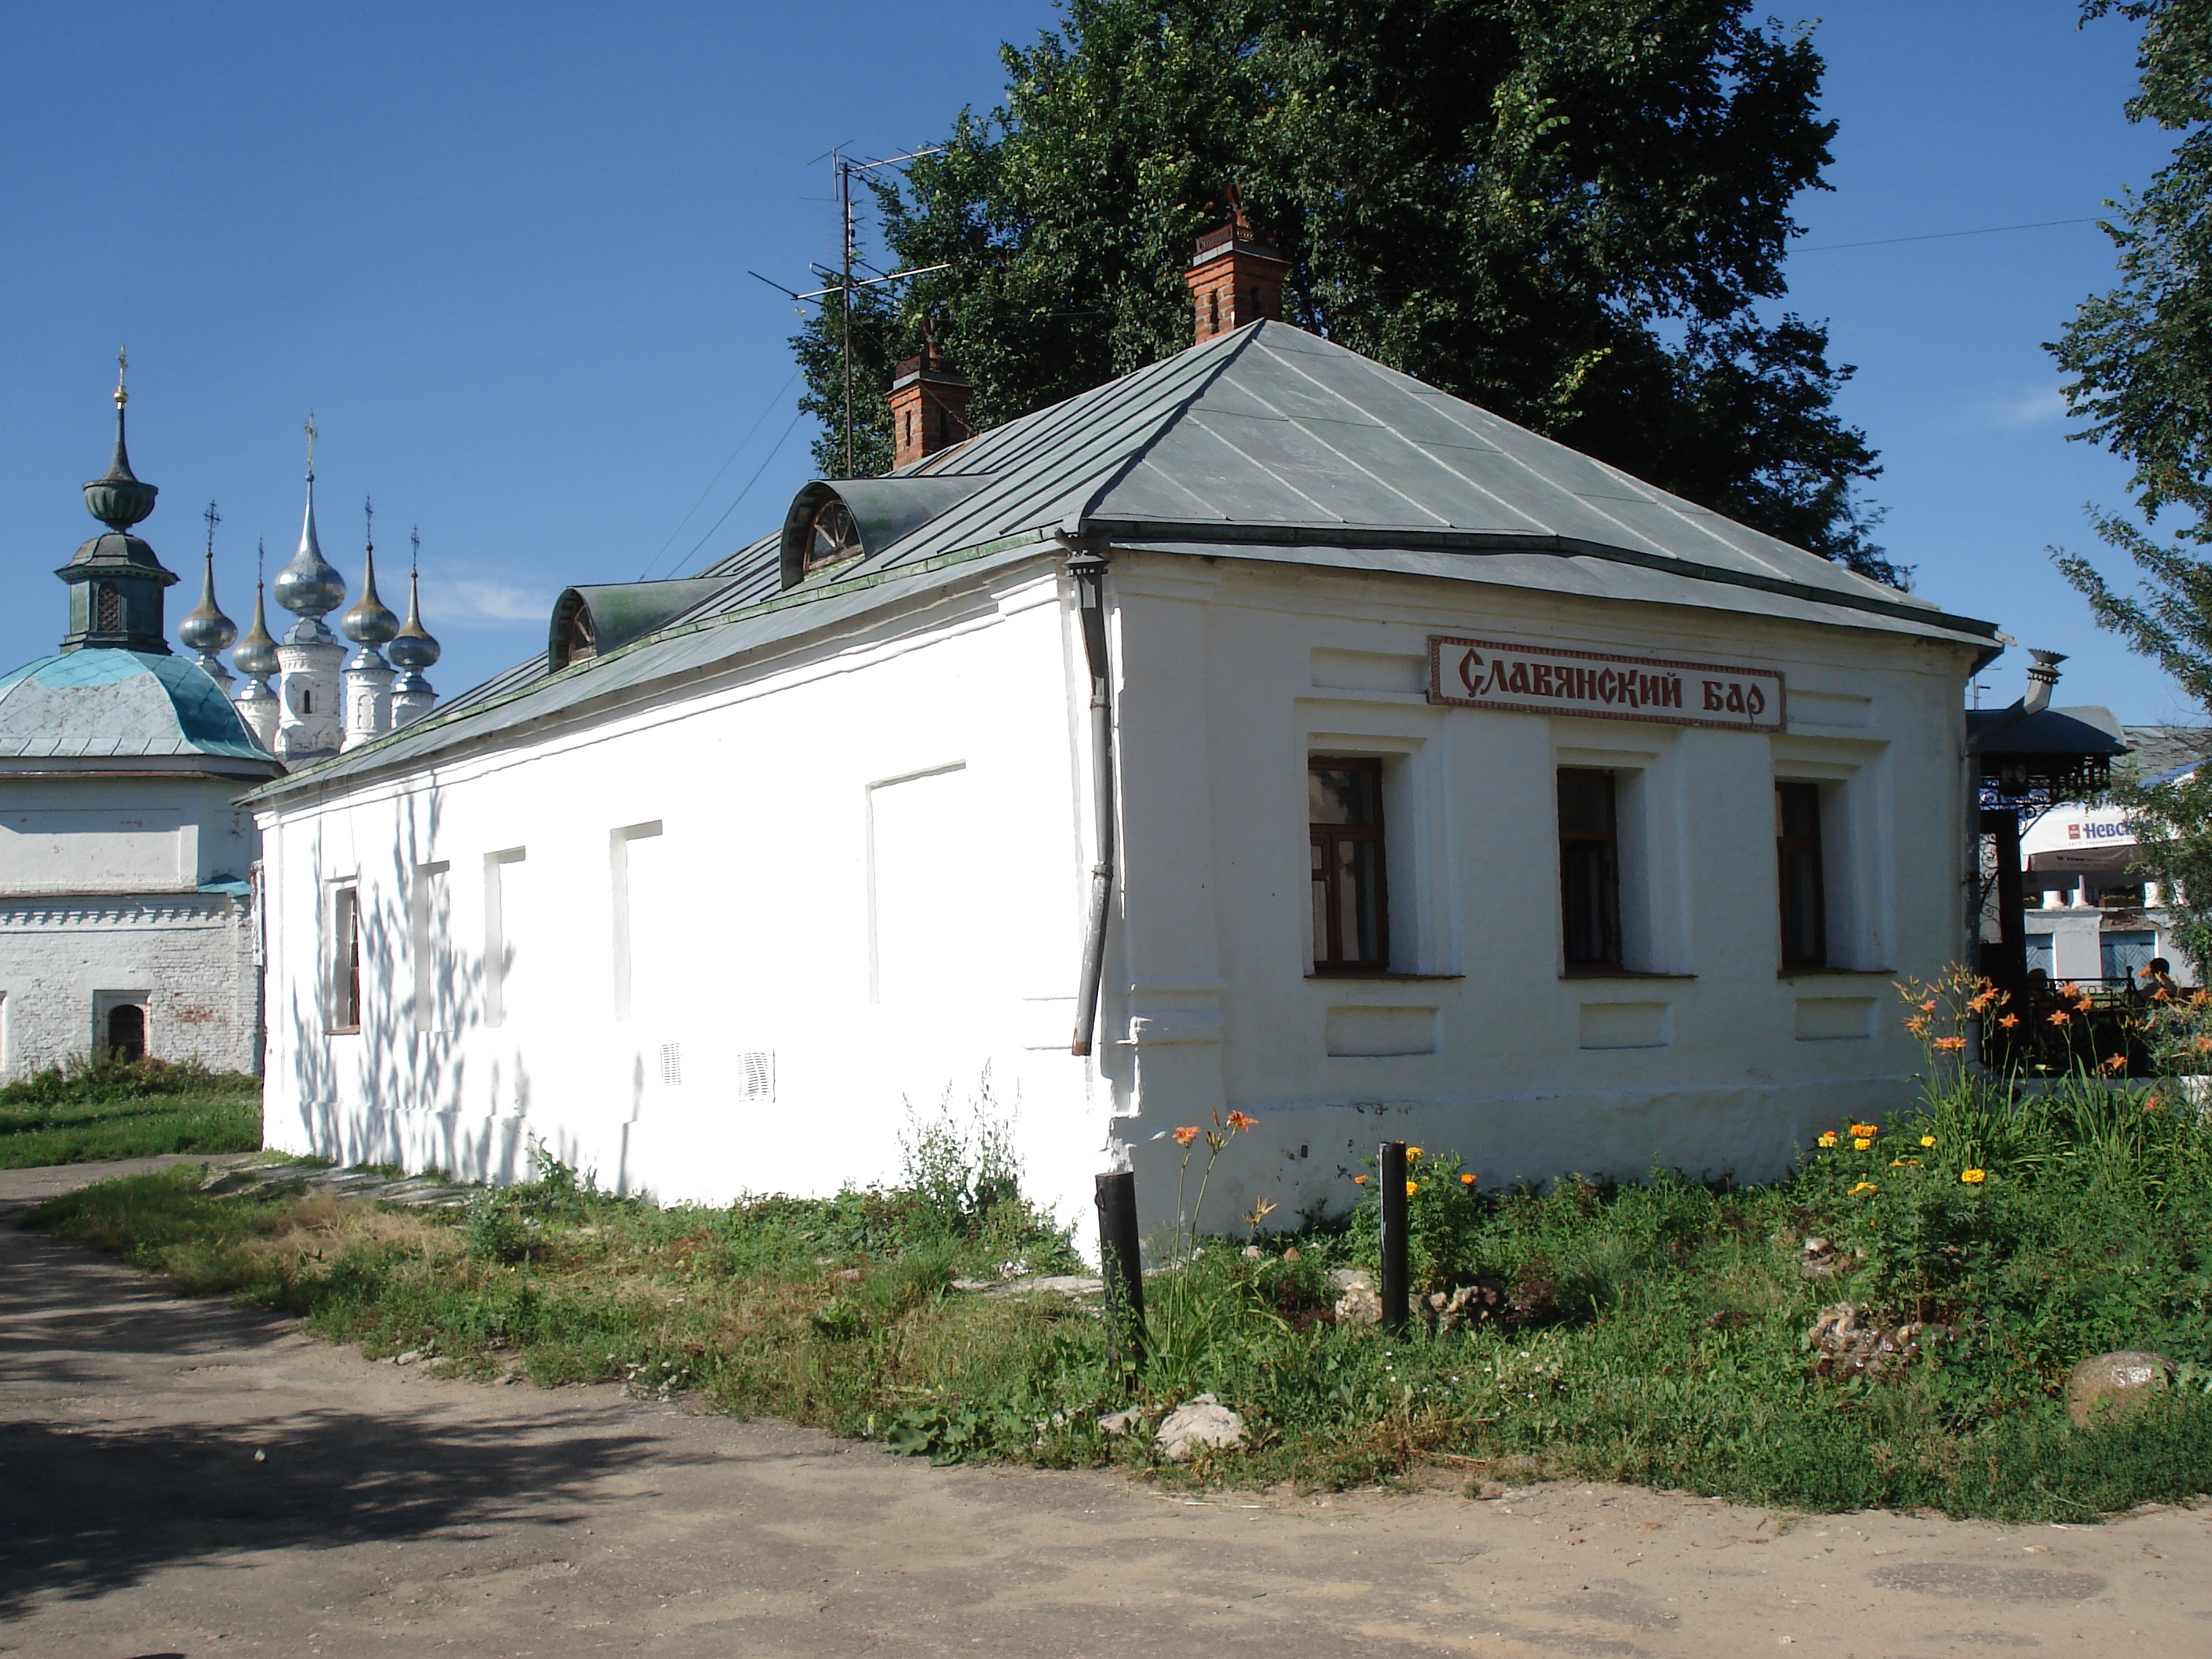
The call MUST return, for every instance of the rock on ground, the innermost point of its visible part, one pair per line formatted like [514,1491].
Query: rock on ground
[2115,1382]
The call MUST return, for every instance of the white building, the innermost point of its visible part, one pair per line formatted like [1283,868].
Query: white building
[1454,787]
[126,919]
[2098,917]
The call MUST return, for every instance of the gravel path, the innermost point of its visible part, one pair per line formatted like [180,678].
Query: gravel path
[181,1479]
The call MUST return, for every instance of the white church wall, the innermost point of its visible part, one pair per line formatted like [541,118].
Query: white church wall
[1709,1058]
[99,904]
[186,957]
[683,947]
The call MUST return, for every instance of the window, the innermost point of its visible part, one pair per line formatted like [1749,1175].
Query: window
[1804,885]
[1350,915]
[127,1031]
[833,537]
[345,960]
[1589,868]
[2124,955]
[499,962]
[109,604]
[434,968]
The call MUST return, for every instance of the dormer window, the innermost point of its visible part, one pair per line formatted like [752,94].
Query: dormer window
[832,537]
[580,643]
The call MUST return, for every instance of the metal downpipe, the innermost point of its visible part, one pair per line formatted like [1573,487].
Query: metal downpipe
[1088,569]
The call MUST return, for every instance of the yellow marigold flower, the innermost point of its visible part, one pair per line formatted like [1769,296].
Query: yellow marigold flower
[1829,1138]
[1466,1181]
[1973,1177]
[1860,1143]
[1412,1186]
[1412,1152]
[1905,1163]
[1928,1140]
[1862,1186]
[1184,1136]
[1866,1128]
[1360,1180]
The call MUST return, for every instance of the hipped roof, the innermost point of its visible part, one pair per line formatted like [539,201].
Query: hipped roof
[1268,443]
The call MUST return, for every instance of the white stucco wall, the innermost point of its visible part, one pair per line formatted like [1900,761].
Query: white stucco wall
[869,865]
[99,904]
[865,874]
[1725,1064]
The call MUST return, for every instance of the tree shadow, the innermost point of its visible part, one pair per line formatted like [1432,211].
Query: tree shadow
[86,1510]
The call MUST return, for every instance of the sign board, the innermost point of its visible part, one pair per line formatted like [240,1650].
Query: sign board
[1543,679]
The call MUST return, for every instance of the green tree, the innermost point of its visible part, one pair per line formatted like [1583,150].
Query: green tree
[1569,211]
[2140,359]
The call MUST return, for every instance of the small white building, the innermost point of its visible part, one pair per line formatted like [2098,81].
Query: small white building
[1437,781]
[127,915]
[2098,918]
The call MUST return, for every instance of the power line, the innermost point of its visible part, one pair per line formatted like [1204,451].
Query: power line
[766,409]
[747,491]
[1942,235]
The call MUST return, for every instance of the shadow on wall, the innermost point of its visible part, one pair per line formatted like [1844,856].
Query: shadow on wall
[422,997]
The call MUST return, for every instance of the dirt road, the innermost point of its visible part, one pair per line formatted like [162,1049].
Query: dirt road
[182,1478]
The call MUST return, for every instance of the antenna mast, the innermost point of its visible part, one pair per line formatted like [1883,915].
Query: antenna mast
[844,286]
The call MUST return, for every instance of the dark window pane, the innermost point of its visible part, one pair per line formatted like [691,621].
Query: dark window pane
[1589,869]
[1585,802]
[1803,881]
[1350,914]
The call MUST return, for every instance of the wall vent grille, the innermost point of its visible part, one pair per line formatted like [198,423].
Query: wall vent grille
[759,1076]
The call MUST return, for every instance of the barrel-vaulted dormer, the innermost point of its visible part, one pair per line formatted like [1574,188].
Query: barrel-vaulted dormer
[835,521]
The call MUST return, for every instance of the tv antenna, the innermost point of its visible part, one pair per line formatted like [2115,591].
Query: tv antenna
[844,285]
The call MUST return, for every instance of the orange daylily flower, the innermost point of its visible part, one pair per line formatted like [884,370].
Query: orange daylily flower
[1950,1045]
[2010,1021]
[2060,1017]
[1242,1121]
[1184,1136]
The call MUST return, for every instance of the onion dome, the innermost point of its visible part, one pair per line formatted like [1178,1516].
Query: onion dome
[412,648]
[308,586]
[257,652]
[205,629]
[115,580]
[370,623]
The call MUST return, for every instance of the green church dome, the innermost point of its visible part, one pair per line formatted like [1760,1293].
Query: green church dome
[92,703]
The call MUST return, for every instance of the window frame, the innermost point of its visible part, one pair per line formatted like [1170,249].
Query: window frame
[1323,839]
[1785,845]
[1612,957]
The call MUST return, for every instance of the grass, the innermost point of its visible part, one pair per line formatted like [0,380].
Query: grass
[1653,1332]
[89,1110]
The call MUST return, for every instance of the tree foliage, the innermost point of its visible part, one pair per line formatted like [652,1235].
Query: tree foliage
[2141,359]
[1569,211]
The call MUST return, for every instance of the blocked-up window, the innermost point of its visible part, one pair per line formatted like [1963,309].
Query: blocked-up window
[1346,847]
[436,991]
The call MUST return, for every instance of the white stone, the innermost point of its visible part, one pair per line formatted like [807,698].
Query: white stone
[1204,1424]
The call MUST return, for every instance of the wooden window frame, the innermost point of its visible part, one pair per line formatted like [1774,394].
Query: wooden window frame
[345,960]
[1329,959]
[1610,958]
[1794,958]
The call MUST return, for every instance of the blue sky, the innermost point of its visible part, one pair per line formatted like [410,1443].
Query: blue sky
[502,252]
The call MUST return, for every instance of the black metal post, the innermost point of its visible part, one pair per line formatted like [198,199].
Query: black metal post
[1121,1262]
[1390,1174]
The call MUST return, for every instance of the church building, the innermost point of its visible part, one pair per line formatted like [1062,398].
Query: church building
[1262,731]
[127,867]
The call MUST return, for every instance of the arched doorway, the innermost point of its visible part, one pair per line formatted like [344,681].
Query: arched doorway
[127,1031]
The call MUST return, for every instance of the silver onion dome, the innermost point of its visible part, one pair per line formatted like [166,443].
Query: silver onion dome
[308,586]
[204,628]
[412,648]
[257,652]
[370,623]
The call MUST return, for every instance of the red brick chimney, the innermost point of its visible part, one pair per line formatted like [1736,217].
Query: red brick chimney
[929,405]
[1236,278]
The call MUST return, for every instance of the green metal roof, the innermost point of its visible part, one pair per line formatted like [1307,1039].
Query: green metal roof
[1265,444]
[99,704]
